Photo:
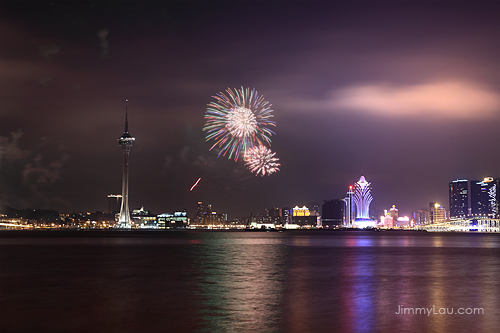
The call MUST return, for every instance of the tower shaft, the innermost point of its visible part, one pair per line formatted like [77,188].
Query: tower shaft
[126,141]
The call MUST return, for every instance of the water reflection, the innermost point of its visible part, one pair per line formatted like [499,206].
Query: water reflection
[216,281]
[241,283]
[358,295]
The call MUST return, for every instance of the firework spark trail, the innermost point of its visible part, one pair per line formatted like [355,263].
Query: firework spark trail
[194,184]
[237,121]
[260,159]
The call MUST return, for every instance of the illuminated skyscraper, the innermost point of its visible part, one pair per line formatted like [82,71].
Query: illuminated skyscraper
[459,198]
[496,198]
[349,208]
[362,199]
[483,197]
[473,198]
[125,141]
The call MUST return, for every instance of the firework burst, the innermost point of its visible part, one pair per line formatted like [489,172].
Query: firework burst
[260,159]
[238,120]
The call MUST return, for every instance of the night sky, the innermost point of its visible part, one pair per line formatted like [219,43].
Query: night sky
[407,93]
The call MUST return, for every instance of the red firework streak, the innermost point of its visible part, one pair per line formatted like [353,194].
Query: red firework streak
[194,184]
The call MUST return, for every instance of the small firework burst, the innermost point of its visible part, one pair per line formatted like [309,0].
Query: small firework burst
[261,160]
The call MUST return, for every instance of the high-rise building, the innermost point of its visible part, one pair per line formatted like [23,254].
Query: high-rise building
[286,215]
[473,198]
[496,198]
[394,213]
[332,213]
[483,198]
[459,195]
[199,218]
[362,199]
[420,217]
[114,203]
[126,141]
[274,215]
[349,208]
[437,213]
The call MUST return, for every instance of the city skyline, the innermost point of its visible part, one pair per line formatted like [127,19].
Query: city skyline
[412,108]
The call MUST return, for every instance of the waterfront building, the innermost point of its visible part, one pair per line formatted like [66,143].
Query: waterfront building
[387,221]
[114,203]
[403,222]
[207,217]
[300,211]
[420,217]
[199,209]
[274,215]
[459,198]
[473,198]
[177,220]
[496,198]
[313,207]
[483,198]
[143,219]
[349,208]
[126,141]
[437,213]
[303,218]
[286,215]
[332,213]
[199,218]
[362,198]
[394,213]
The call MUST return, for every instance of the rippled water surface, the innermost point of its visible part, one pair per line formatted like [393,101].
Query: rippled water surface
[294,281]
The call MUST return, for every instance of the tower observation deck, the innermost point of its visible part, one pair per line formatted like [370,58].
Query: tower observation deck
[125,141]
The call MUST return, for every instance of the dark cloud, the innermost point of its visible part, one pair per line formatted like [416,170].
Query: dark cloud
[47,51]
[103,36]
[9,147]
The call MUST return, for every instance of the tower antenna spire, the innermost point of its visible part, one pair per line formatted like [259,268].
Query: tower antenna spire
[126,115]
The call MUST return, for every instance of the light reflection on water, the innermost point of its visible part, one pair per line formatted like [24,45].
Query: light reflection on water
[240,281]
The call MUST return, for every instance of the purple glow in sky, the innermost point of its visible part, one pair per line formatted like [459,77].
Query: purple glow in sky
[407,92]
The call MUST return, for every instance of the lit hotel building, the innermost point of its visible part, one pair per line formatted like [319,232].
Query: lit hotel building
[473,198]
[459,196]
[362,198]
[304,218]
[483,198]
[437,213]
